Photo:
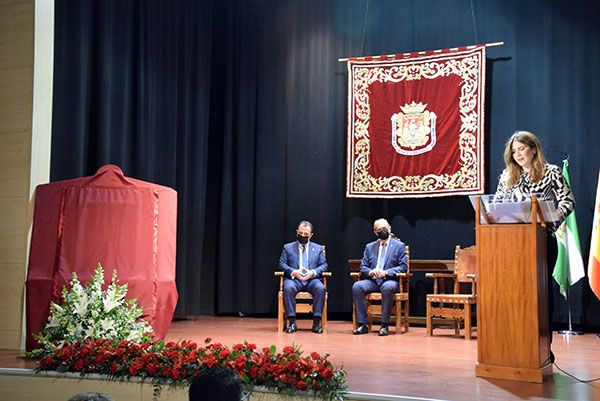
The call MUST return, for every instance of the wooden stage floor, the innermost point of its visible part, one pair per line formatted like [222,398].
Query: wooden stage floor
[441,367]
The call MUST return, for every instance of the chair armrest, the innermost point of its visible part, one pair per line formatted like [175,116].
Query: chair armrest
[441,282]
[355,276]
[404,281]
[440,275]
[473,278]
[325,275]
[280,275]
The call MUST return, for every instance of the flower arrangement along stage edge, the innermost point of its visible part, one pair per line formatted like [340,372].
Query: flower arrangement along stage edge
[96,331]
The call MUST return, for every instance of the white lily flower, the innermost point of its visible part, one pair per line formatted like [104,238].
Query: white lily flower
[105,324]
[109,304]
[54,321]
[82,305]
[56,307]
[89,332]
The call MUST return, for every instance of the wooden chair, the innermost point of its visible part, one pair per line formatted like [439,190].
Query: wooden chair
[303,302]
[400,308]
[451,298]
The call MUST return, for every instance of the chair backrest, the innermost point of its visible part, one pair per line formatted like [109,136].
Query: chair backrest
[396,238]
[465,263]
[405,282]
[407,258]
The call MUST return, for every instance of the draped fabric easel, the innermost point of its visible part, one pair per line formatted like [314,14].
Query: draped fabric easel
[125,224]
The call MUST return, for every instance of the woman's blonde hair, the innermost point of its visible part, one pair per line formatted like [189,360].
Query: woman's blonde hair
[538,163]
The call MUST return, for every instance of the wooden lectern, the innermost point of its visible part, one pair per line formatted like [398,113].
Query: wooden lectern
[512,304]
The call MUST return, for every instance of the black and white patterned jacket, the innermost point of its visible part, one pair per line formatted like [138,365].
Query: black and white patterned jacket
[552,186]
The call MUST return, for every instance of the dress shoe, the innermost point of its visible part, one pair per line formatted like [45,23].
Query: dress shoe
[316,328]
[384,331]
[362,329]
[292,328]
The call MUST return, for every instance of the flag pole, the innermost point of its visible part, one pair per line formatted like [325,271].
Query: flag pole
[593,263]
[568,268]
[570,331]
[391,56]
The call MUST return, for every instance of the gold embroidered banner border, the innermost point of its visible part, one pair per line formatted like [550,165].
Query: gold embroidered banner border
[415,125]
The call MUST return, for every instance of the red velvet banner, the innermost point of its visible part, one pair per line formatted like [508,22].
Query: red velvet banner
[415,125]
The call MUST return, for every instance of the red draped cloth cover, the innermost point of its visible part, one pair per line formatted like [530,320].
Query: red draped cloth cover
[415,125]
[123,223]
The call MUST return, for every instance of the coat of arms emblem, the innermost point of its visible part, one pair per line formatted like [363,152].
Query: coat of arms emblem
[413,129]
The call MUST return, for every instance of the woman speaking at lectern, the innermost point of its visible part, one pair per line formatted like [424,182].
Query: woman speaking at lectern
[527,173]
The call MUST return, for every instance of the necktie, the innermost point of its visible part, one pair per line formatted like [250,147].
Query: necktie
[303,256]
[382,255]
[381,261]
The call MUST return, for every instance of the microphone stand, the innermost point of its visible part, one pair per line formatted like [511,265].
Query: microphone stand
[571,332]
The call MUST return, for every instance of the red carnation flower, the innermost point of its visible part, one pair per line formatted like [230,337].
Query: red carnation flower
[133,369]
[46,362]
[152,368]
[302,385]
[327,374]
[79,364]
[240,361]
[209,361]
[101,358]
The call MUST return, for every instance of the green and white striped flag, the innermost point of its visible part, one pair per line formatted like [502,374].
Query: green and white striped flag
[569,264]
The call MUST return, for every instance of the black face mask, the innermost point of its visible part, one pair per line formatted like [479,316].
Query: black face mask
[383,234]
[301,239]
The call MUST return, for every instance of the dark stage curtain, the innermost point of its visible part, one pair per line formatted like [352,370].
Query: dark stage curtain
[132,88]
[241,107]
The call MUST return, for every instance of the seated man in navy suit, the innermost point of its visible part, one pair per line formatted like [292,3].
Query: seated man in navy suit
[303,263]
[381,261]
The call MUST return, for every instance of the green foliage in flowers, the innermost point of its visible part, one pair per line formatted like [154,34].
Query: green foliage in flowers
[287,372]
[89,312]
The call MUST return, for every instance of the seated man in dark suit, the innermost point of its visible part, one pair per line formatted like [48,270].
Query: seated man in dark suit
[303,263]
[381,261]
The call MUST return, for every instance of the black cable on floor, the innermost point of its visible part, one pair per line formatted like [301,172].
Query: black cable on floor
[576,378]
